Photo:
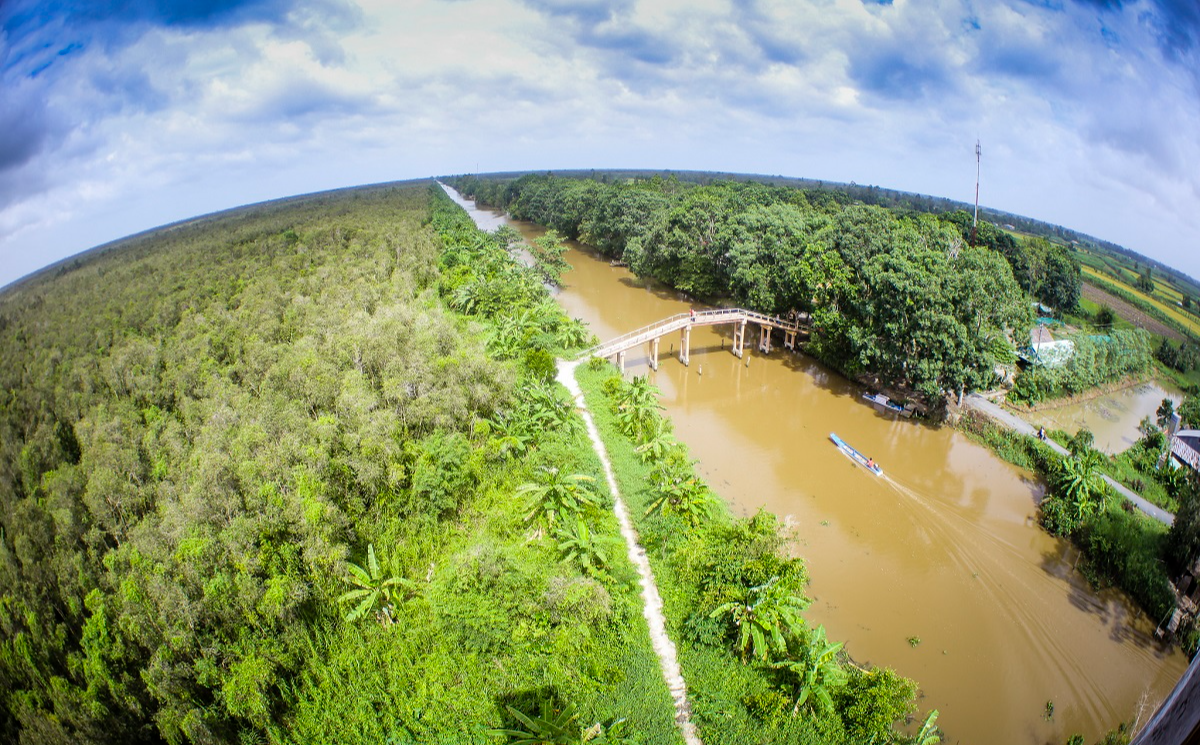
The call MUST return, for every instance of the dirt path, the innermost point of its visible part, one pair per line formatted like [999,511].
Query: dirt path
[651,600]
[1135,316]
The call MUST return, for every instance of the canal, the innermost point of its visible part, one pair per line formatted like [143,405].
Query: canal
[937,569]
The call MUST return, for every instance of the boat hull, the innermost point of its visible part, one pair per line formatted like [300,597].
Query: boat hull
[854,455]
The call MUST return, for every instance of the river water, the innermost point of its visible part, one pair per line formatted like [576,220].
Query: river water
[936,569]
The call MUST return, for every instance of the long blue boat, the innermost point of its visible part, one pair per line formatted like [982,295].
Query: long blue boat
[856,456]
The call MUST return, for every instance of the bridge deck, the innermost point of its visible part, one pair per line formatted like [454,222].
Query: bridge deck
[680,321]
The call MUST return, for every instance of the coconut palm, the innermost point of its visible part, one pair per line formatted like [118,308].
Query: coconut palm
[764,618]
[375,589]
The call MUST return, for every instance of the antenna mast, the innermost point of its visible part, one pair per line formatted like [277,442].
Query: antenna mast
[975,221]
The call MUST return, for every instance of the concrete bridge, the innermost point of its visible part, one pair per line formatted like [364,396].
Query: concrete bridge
[685,322]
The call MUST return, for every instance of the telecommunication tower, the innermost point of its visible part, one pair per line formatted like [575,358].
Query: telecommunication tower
[975,221]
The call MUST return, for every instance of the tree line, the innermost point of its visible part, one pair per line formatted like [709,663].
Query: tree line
[896,295]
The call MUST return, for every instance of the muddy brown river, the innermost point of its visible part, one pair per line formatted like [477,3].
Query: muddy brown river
[936,569]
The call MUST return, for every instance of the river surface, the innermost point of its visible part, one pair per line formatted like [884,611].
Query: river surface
[1113,418]
[936,569]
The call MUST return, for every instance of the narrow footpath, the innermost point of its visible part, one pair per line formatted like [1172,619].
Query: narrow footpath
[1008,419]
[651,600]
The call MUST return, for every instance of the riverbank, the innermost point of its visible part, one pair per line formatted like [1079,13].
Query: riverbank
[1121,546]
[707,559]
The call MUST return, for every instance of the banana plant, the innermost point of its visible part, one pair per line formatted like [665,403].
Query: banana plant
[579,545]
[817,672]
[764,618]
[557,496]
[374,589]
[928,734]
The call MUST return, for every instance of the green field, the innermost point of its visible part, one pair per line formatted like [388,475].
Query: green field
[1174,314]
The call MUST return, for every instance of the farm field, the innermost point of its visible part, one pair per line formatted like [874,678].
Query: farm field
[1098,280]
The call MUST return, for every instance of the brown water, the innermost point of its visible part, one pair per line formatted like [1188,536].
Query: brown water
[1112,418]
[944,547]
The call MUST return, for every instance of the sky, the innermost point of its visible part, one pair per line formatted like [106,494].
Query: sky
[121,115]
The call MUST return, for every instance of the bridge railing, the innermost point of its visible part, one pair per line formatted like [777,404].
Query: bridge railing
[650,331]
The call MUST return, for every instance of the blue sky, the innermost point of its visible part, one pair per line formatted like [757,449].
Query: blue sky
[119,116]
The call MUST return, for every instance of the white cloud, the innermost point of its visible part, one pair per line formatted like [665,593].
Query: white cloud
[1084,120]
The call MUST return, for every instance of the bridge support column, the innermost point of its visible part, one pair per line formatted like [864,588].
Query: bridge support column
[739,337]
[685,344]
[654,354]
[621,361]
[789,339]
[764,339]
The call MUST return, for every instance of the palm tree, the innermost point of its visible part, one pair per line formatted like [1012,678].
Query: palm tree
[817,671]
[764,618]
[557,496]
[374,588]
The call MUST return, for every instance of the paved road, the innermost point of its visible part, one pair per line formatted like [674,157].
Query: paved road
[1017,424]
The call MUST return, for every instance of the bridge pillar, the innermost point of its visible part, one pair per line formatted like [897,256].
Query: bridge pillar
[654,354]
[621,361]
[685,346]
[789,339]
[739,337]
[764,339]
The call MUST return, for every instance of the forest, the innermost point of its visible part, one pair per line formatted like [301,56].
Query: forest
[301,473]
[897,297]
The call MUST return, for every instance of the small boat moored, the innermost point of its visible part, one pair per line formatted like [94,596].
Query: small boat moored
[856,456]
[881,400]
